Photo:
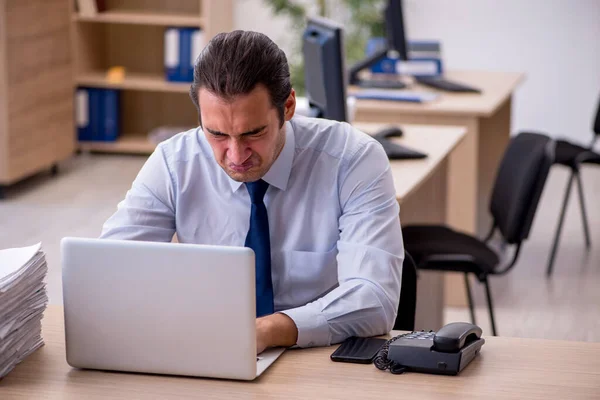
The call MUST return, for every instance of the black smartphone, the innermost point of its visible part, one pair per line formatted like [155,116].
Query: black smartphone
[358,350]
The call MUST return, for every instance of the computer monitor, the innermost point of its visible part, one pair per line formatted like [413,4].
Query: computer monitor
[395,47]
[324,69]
[325,79]
[394,27]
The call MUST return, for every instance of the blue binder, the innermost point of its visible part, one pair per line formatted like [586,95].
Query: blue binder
[172,57]
[109,115]
[95,113]
[98,116]
[185,54]
[178,54]
[82,114]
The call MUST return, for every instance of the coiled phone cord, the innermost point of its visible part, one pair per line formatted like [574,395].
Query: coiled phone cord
[382,362]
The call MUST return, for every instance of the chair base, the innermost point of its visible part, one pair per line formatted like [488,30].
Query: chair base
[470,299]
[490,306]
[575,176]
[483,279]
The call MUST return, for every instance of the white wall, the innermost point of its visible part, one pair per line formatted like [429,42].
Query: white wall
[256,16]
[555,42]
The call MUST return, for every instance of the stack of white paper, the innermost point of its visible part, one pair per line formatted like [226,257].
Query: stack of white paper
[23,300]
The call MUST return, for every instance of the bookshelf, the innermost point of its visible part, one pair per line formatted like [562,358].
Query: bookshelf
[130,34]
[36,98]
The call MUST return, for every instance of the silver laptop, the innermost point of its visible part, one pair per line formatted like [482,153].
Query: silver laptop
[164,308]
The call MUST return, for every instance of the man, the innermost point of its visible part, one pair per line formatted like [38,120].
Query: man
[313,198]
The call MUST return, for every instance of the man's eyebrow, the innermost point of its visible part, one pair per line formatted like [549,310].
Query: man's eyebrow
[251,132]
[254,131]
[215,132]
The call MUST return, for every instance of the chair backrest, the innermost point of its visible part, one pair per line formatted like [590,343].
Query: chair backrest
[520,180]
[597,121]
[405,319]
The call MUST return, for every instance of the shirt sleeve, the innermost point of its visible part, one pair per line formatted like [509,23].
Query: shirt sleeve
[370,257]
[148,211]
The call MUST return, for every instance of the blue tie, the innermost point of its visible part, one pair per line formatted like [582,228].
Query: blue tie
[259,241]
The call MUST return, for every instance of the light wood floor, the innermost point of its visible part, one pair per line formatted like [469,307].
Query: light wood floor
[567,306]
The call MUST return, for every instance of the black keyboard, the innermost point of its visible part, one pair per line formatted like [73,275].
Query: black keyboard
[445,85]
[381,84]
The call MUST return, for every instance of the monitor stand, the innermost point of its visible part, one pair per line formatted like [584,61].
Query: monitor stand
[373,59]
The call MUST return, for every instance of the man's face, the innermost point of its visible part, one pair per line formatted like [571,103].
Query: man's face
[244,133]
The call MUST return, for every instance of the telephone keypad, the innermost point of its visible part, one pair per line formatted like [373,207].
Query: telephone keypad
[420,335]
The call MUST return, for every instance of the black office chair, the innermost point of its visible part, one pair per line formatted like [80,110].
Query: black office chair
[520,180]
[405,319]
[573,156]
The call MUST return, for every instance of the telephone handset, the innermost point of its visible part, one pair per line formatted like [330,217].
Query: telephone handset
[447,351]
[453,337]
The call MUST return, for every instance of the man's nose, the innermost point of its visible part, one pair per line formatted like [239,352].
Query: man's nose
[238,152]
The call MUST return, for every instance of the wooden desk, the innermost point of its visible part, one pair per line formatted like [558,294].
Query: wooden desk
[438,142]
[422,193]
[507,368]
[472,166]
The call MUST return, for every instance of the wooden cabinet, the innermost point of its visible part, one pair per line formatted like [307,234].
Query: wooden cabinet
[36,87]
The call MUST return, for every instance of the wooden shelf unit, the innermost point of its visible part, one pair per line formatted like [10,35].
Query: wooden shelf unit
[36,92]
[130,34]
[142,18]
[132,81]
[130,143]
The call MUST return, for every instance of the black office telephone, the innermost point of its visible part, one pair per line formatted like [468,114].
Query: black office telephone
[447,351]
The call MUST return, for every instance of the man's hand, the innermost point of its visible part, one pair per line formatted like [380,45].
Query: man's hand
[275,330]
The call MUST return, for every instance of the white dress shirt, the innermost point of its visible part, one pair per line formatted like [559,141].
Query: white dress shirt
[336,243]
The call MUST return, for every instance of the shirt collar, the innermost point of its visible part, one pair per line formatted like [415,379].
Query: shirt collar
[279,173]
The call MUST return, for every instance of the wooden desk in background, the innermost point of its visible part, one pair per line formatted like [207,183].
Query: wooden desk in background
[472,167]
[507,368]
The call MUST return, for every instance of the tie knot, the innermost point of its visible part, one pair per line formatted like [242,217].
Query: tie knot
[257,190]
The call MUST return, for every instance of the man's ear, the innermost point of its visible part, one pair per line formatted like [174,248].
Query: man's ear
[290,106]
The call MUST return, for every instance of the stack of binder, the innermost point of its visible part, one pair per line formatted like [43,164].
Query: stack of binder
[424,58]
[182,47]
[97,114]
[23,300]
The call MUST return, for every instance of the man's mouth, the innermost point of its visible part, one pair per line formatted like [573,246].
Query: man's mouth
[242,167]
